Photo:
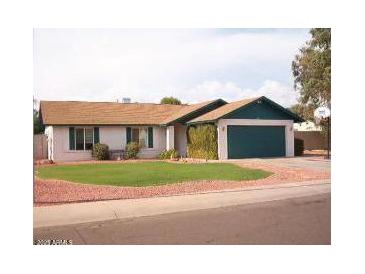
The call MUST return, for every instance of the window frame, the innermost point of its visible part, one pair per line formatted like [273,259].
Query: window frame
[92,138]
[84,137]
[147,136]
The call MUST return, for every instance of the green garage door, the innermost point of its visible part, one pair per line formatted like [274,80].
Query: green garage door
[255,141]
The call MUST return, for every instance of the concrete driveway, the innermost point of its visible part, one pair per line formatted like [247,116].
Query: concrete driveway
[305,162]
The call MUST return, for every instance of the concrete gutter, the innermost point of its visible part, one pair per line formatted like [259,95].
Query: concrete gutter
[131,208]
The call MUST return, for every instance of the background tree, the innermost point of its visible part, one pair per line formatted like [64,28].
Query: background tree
[170,100]
[312,77]
[312,73]
[304,110]
[38,127]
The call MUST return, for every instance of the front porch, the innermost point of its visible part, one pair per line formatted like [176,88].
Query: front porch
[176,138]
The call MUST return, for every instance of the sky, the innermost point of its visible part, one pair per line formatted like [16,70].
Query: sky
[146,65]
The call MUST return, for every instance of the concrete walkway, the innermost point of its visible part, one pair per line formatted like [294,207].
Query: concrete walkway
[119,209]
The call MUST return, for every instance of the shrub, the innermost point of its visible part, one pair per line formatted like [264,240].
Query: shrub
[203,142]
[132,150]
[100,151]
[168,154]
[298,147]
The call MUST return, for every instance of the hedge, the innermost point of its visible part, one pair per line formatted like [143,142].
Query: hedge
[169,154]
[132,150]
[203,142]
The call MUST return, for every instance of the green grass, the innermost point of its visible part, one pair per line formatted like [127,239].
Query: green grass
[148,173]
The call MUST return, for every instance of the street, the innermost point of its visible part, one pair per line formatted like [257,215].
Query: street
[300,220]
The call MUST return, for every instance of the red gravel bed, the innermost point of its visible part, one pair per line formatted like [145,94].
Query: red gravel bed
[51,192]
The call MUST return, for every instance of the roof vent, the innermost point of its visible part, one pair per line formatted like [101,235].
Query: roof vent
[126,100]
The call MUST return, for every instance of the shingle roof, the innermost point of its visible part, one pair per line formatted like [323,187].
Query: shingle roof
[109,113]
[187,110]
[223,110]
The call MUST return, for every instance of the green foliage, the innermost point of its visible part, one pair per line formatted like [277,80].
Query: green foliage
[203,142]
[38,127]
[312,75]
[298,147]
[100,152]
[168,154]
[170,101]
[312,70]
[132,150]
[304,111]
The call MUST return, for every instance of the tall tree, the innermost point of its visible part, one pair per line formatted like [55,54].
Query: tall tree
[38,127]
[312,73]
[170,100]
[305,111]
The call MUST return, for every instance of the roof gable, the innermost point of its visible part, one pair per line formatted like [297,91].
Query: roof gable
[254,108]
[193,111]
[219,112]
[260,109]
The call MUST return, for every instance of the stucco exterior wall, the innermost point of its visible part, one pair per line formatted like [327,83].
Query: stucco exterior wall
[222,133]
[113,136]
[61,151]
[159,144]
[180,139]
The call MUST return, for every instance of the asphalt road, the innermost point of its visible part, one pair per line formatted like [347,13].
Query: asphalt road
[305,220]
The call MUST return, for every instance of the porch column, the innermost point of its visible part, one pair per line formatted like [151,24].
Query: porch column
[170,137]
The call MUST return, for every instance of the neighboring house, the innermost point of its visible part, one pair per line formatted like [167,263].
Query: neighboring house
[255,127]
[306,126]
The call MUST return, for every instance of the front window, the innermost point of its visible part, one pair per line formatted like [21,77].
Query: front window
[140,136]
[79,139]
[84,138]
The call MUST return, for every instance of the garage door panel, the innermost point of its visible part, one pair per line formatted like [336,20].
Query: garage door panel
[255,141]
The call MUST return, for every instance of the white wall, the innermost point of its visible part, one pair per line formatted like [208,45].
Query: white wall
[222,133]
[159,144]
[180,139]
[113,136]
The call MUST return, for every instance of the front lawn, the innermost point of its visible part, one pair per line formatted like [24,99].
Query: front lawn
[148,173]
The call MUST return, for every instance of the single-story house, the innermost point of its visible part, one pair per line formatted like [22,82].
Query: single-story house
[256,127]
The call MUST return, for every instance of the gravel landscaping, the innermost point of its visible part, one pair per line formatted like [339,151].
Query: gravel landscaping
[49,192]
